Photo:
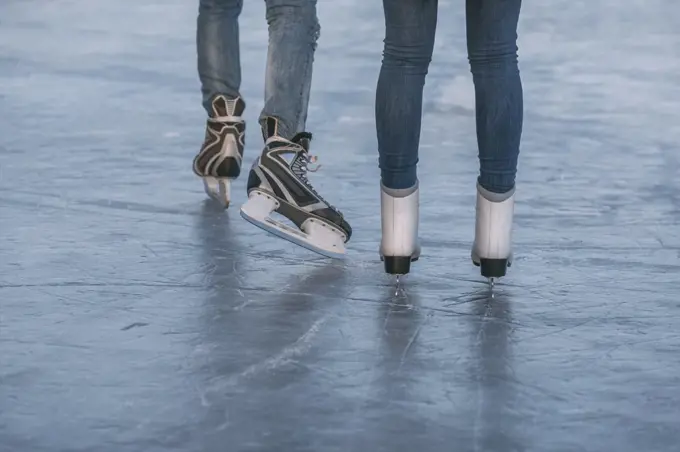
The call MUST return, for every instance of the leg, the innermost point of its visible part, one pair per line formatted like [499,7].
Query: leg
[219,68]
[217,44]
[278,179]
[492,51]
[410,27]
[293,34]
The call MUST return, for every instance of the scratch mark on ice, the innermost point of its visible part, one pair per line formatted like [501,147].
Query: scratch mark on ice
[285,356]
[298,348]
[478,421]
[411,341]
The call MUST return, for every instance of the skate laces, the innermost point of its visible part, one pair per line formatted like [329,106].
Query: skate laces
[304,166]
[304,163]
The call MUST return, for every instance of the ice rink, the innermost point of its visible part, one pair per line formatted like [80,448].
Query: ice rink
[136,316]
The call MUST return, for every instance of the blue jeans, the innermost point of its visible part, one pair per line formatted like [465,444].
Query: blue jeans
[492,52]
[293,34]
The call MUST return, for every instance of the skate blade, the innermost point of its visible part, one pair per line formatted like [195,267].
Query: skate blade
[218,189]
[327,243]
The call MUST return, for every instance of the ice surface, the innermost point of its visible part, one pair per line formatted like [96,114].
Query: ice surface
[134,316]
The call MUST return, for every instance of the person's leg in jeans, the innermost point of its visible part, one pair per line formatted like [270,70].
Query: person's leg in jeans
[278,179]
[293,33]
[492,52]
[409,41]
[219,69]
[218,50]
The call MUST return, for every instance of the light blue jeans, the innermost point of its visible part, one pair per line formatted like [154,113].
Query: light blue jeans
[492,52]
[293,34]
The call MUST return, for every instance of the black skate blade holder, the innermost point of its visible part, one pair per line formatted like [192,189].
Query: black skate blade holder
[493,268]
[397,265]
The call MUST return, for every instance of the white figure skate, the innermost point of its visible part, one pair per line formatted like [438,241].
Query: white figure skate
[278,183]
[219,160]
[399,218]
[492,247]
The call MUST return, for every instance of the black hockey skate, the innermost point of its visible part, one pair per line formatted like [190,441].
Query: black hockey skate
[278,183]
[219,160]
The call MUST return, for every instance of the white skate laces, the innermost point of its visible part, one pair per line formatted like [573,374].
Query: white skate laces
[300,167]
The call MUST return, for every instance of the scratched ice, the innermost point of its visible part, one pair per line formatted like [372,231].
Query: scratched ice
[136,317]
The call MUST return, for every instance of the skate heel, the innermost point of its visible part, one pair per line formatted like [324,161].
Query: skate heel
[493,268]
[492,247]
[399,220]
[219,160]
[397,265]
[313,234]
[219,189]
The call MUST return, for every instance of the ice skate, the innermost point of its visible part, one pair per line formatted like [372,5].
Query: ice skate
[219,160]
[399,218]
[278,183]
[492,247]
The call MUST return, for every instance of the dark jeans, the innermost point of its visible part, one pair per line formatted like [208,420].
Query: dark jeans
[492,52]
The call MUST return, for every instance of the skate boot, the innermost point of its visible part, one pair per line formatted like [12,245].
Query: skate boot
[219,160]
[492,248]
[278,183]
[399,217]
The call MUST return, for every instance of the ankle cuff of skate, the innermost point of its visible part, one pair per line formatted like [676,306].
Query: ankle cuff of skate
[494,197]
[400,192]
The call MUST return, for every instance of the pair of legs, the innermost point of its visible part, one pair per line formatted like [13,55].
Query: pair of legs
[293,34]
[277,181]
[492,52]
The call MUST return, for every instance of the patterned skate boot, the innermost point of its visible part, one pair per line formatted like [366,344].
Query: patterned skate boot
[278,183]
[492,248]
[399,218]
[219,160]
